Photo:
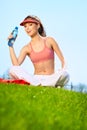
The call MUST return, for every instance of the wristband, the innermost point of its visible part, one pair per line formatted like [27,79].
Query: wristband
[10,44]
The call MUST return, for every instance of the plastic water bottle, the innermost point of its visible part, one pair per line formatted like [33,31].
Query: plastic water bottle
[14,34]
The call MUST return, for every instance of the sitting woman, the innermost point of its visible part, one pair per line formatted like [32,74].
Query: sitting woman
[41,50]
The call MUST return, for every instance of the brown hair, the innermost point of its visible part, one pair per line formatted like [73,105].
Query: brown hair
[41,29]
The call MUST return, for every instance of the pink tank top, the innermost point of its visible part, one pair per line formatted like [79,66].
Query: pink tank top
[46,54]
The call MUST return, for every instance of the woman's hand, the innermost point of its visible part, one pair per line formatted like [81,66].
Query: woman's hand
[10,36]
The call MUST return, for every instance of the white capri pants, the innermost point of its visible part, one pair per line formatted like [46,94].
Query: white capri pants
[16,72]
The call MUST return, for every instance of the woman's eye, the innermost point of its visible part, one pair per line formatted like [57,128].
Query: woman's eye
[30,24]
[24,26]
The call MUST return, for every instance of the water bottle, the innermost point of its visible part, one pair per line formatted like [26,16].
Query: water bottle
[14,34]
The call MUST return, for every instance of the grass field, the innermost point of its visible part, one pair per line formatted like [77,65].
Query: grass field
[25,107]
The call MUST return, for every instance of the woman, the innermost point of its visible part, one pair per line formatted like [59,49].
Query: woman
[41,51]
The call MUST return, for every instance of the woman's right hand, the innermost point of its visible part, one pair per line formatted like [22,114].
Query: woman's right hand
[10,36]
[10,40]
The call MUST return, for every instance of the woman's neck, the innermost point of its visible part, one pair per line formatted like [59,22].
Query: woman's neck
[36,38]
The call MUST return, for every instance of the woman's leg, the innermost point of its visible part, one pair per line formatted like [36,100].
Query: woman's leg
[16,72]
[60,78]
[63,79]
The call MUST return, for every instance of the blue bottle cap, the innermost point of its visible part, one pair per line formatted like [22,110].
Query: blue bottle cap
[16,27]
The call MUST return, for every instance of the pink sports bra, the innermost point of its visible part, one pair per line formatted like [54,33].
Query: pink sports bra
[46,54]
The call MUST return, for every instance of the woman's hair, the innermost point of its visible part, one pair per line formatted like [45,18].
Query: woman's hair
[41,29]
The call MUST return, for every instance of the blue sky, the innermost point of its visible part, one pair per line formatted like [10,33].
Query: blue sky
[65,20]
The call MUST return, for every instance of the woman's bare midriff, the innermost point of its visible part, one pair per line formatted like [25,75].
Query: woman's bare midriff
[44,67]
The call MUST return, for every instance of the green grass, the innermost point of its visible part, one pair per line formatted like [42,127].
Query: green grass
[25,107]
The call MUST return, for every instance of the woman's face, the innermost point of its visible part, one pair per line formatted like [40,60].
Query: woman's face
[31,29]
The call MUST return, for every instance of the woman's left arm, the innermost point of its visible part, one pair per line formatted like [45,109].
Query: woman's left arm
[58,52]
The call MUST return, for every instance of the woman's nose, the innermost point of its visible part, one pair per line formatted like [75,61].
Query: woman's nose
[27,29]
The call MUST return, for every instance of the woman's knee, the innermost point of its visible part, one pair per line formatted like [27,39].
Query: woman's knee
[13,70]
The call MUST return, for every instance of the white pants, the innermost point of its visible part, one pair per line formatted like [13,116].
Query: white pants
[17,72]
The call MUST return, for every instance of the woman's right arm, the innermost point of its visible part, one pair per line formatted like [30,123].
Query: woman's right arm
[18,60]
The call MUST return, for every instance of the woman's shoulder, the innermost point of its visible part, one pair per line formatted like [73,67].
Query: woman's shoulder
[27,48]
[50,39]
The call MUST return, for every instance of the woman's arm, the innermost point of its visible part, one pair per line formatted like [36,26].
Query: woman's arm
[58,52]
[20,59]
[23,53]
